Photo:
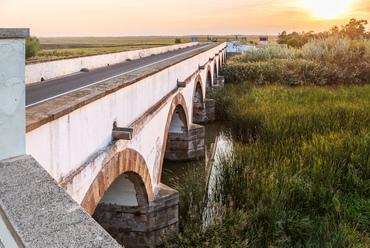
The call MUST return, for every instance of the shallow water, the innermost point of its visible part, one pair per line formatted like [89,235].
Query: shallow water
[217,133]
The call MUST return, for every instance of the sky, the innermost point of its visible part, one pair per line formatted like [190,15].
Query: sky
[47,18]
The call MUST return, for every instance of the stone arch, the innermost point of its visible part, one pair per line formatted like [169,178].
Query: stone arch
[198,90]
[209,80]
[176,101]
[219,63]
[215,72]
[177,136]
[127,161]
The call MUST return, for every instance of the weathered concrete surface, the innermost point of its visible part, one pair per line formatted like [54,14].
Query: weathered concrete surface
[40,213]
[12,92]
[35,70]
[12,33]
[142,226]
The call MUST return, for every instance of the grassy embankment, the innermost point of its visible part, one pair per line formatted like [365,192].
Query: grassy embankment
[300,174]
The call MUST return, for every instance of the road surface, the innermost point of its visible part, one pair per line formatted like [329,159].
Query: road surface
[48,90]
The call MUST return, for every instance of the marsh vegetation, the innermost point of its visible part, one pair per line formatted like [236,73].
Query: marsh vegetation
[299,173]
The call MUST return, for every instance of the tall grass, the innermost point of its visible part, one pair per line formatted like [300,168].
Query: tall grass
[305,171]
[332,60]
[265,53]
[300,176]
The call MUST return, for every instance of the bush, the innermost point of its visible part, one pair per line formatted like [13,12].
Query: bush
[32,46]
[177,40]
[294,42]
[267,53]
[321,61]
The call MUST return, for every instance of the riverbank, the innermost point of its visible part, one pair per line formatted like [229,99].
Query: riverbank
[299,176]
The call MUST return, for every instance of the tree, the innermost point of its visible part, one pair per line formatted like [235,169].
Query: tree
[294,42]
[32,46]
[354,29]
[177,40]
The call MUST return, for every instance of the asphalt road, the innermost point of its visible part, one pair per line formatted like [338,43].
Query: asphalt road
[48,90]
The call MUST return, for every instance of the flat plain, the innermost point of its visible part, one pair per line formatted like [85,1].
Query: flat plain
[54,47]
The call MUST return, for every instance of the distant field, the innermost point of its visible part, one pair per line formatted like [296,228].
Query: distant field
[75,46]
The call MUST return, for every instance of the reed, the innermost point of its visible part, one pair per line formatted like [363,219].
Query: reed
[299,175]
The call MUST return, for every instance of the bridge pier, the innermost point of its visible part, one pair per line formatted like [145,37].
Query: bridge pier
[143,225]
[204,112]
[185,146]
[219,81]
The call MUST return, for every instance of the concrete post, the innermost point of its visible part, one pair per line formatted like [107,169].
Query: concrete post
[12,92]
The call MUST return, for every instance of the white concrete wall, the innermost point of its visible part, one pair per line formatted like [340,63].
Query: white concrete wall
[56,68]
[63,145]
[12,98]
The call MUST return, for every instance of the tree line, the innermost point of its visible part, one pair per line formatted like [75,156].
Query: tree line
[354,29]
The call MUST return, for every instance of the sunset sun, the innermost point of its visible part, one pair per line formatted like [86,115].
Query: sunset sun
[328,9]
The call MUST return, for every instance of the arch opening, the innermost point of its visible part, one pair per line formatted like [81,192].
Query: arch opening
[215,74]
[198,95]
[209,83]
[200,106]
[127,190]
[177,136]
[178,122]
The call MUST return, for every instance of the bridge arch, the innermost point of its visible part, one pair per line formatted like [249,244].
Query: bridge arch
[199,109]
[178,103]
[215,72]
[129,163]
[198,90]
[209,80]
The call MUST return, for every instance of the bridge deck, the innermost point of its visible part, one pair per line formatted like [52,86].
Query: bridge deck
[54,109]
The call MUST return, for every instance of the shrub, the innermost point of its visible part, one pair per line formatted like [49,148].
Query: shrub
[177,40]
[269,52]
[321,61]
[32,46]
[294,42]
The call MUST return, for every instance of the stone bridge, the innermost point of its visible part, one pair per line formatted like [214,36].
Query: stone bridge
[105,144]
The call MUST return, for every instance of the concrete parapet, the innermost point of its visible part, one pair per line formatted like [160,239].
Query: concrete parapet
[36,212]
[142,226]
[35,70]
[12,92]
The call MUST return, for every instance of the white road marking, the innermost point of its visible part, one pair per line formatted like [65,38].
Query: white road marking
[68,92]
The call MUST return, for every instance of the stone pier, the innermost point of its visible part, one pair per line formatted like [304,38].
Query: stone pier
[204,112]
[185,146]
[219,81]
[144,225]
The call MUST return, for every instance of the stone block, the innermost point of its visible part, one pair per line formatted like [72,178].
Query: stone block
[156,221]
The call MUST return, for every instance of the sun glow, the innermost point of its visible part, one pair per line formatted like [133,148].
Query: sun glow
[328,9]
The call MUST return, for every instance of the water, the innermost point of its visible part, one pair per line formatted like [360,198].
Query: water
[217,134]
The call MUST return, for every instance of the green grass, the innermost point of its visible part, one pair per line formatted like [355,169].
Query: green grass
[300,174]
